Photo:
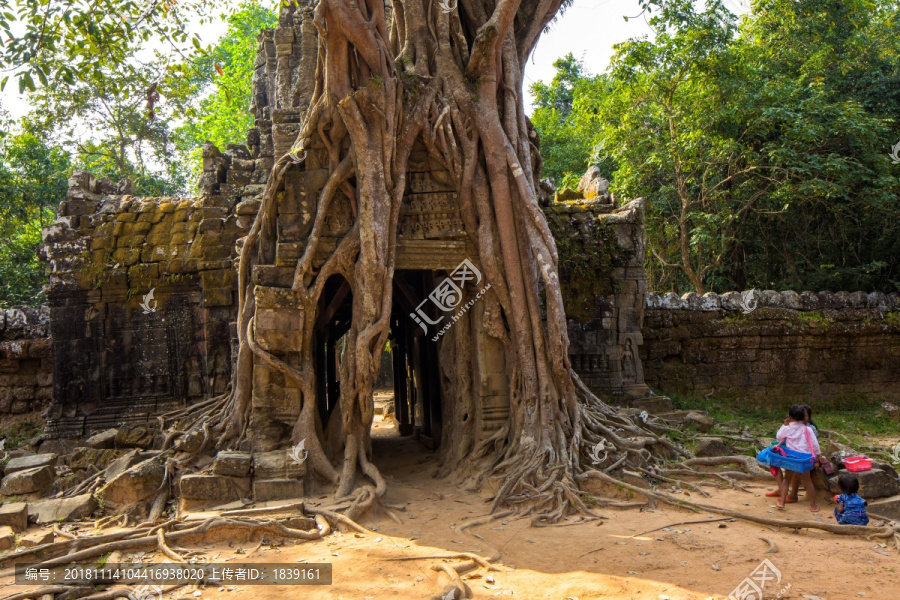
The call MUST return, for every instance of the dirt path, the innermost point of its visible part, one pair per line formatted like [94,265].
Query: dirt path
[588,561]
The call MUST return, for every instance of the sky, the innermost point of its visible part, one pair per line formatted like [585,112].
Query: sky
[588,29]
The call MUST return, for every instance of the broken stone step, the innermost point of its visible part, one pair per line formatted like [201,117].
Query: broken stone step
[7,537]
[214,488]
[20,452]
[36,539]
[710,446]
[122,464]
[837,452]
[103,440]
[888,507]
[15,515]
[675,416]
[27,481]
[232,464]
[700,421]
[277,489]
[62,509]
[136,484]
[135,437]
[654,405]
[30,462]
[277,464]
[878,482]
[83,458]
[60,447]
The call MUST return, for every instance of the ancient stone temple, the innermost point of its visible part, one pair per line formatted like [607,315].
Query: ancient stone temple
[143,295]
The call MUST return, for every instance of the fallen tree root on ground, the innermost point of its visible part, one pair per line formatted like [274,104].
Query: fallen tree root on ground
[163,536]
[886,531]
[454,572]
[749,464]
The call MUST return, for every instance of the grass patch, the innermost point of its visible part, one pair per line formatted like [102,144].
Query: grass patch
[814,317]
[18,430]
[859,420]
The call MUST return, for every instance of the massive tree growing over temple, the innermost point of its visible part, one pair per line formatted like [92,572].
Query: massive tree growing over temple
[451,77]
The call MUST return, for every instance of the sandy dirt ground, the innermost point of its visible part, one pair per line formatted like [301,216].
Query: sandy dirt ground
[608,559]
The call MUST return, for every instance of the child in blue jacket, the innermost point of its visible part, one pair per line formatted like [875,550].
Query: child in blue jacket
[851,509]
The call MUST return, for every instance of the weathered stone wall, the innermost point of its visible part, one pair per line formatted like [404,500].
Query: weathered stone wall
[141,296]
[791,347]
[601,255]
[26,368]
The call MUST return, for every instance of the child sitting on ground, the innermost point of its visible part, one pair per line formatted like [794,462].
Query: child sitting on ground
[851,509]
[799,438]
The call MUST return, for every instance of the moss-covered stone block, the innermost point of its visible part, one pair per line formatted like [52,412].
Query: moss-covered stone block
[130,241]
[210,225]
[217,297]
[588,258]
[127,256]
[567,194]
[103,243]
[143,272]
[218,278]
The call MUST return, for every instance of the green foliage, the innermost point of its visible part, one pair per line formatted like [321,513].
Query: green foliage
[564,119]
[112,107]
[118,103]
[761,146]
[214,89]
[145,120]
[48,44]
[813,318]
[33,179]
[114,124]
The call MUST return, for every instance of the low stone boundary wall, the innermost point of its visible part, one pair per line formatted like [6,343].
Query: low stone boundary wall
[26,365]
[766,347]
[763,348]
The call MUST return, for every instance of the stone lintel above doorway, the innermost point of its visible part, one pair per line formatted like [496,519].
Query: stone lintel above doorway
[433,255]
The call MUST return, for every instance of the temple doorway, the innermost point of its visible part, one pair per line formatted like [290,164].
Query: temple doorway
[414,411]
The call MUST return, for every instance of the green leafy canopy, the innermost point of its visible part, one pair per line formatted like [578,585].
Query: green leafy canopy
[761,145]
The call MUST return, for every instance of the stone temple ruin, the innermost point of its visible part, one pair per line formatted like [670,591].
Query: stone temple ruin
[142,310]
[142,292]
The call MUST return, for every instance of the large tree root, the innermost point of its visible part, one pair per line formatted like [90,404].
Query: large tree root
[162,538]
[886,531]
[458,588]
[749,463]
[238,524]
[450,81]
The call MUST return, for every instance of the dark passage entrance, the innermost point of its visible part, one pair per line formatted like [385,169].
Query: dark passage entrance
[417,390]
[416,375]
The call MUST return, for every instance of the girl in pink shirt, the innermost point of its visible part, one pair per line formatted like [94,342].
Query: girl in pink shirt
[800,438]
